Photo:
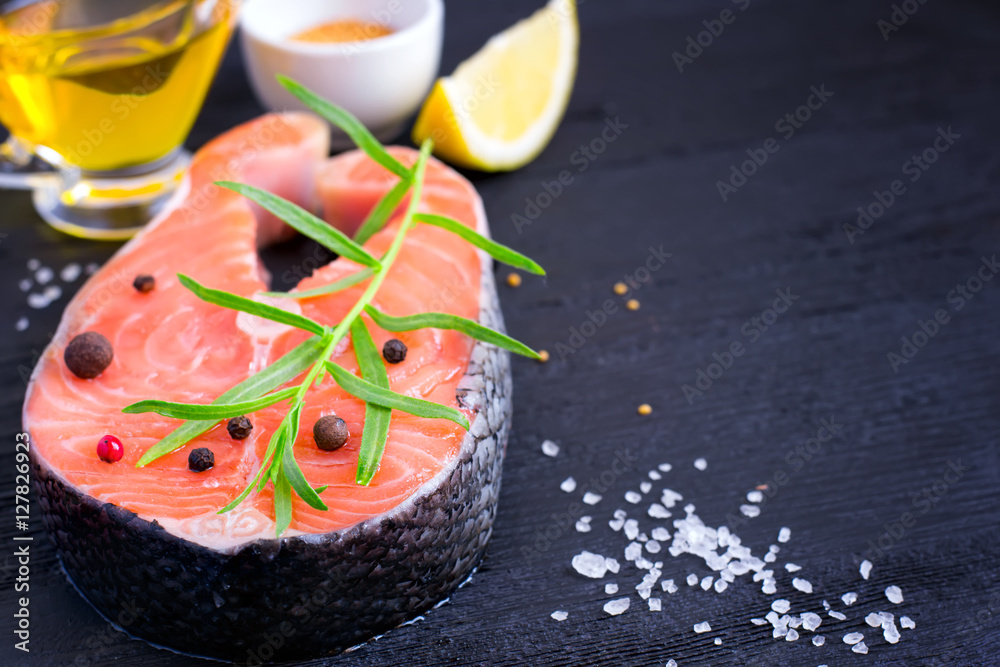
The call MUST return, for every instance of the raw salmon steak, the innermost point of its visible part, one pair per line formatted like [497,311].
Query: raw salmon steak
[151,537]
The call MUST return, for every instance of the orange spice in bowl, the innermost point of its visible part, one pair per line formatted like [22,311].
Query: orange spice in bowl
[348,30]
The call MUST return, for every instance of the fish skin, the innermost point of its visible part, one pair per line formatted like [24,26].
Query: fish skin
[230,602]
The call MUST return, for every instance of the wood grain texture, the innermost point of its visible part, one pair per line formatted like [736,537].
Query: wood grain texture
[825,357]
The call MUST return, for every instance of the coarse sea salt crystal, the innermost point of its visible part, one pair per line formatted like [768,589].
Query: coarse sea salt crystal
[645,487]
[865,569]
[861,648]
[655,476]
[658,511]
[853,637]
[38,301]
[560,615]
[781,606]
[721,585]
[631,529]
[591,498]
[21,324]
[590,565]
[92,268]
[769,587]
[894,594]
[758,621]
[706,583]
[669,498]
[44,275]
[568,485]
[750,511]
[755,496]
[669,586]
[792,635]
[665,467]
[792,567]
[661,534]
[873,620]
[802,585]
[550,448]
[582,527]
[52,292]
[25,284]
[849,598]
[633,551]
[671,663]
[907,623]
[616,607]
[700,464]
[692,579]
[718,641]
[633,497]
[770,557]
[819,640]
[653,547]
[613,565]
[34,264]
[616,524]
[837,615]
[784,535]
[702,627]
[610,589]
[890,633]
[811,621]
[70,272]
[655,604]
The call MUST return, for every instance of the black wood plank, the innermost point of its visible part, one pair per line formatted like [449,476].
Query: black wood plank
[825,358]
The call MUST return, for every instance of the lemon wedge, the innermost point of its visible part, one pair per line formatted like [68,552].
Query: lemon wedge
[500,108]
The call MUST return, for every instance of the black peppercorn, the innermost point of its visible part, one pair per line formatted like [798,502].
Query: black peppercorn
[88,355]
[330,433]
[144,283]
[394,351]
[239,428]
[201,459]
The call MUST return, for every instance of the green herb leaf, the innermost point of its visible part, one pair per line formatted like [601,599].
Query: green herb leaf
[377,417]
[234,302]
[283,370]
[282,505]
[212,411]
[448,321]
[342,284]
[358,133]
[306,223]
[291,471]
[371,393]
[380,214]
[235,502]
[497,251]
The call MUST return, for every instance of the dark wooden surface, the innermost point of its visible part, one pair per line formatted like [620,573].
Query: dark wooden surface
[826,357]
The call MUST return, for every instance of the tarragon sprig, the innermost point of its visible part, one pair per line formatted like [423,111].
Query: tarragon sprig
[313,357]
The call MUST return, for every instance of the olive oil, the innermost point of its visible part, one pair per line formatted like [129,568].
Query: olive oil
[108,92]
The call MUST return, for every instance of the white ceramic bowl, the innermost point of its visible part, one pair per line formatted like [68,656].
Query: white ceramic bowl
[382,81]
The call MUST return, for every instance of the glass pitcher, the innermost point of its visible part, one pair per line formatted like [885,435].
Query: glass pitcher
[98,96]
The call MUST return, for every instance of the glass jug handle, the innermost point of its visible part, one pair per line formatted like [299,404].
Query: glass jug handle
[21,169]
